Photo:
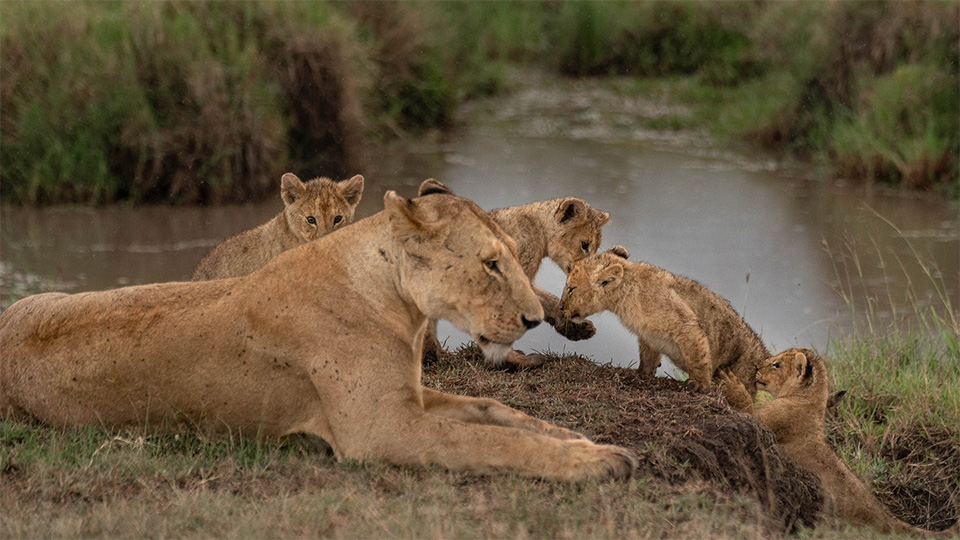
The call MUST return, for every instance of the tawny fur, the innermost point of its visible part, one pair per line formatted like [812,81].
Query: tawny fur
[797,380]
[328,204]
[325,339]
[671,315]
[565,230]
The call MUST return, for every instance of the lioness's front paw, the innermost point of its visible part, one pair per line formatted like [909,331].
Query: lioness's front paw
[564,434]
[517,360]
[575,331]
[605,461]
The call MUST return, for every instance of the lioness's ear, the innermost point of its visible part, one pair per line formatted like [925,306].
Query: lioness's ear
[432,187]
[802,366]
[610,276]
[291,188]
[570,208]
[619,251]
[406,219]
[352,189]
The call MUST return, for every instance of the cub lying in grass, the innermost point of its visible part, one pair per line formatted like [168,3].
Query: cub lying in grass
[311,210]
[797,380]
[565,230]
[695,327]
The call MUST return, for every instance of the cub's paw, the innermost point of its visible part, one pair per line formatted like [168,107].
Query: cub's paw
[575,331]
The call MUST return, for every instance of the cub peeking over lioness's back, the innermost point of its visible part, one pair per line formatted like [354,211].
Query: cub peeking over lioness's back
[311,209]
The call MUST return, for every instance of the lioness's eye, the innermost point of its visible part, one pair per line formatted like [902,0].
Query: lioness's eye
[337,219]
[492,265]
[311,220]
[776,365]
[585,246]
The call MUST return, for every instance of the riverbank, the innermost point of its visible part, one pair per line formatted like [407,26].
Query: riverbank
[208,103]
[705,471]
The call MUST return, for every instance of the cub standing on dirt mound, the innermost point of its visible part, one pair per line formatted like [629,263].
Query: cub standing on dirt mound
[324,339]
[311,210]
[695,327]
[797,380]
[565,230]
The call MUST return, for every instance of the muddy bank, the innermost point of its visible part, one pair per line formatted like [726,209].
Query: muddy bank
[684,436]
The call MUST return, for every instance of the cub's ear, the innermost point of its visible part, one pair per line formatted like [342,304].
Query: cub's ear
[407,221]
[602,218]
[432,187]
[619,251]
[610,276]
[570,208]
[802,366]
[291,188]
[352,189]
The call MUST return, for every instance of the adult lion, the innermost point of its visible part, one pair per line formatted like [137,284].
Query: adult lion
[325,339]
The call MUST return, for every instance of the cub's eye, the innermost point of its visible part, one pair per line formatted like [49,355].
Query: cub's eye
[775,365]
[491,266]
[311,220]
[337,219]
[585,246]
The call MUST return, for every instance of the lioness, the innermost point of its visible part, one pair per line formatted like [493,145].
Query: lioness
[311,210]
[672,315]
[797,380]
[565,230]
[324,339]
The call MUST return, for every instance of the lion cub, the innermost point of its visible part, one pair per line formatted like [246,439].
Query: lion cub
[797,380]
[695,327]
[565,230]
[311,210]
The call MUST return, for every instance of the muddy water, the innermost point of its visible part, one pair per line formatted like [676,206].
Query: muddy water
[800,258]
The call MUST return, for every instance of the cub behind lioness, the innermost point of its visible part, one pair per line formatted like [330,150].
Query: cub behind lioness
[311,210]
[565,230]
[797,380]
[672,315]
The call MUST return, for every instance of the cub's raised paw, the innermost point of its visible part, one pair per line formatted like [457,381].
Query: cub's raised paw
[575,331]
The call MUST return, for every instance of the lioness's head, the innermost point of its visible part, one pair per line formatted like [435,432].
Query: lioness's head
[592,284]
[787,372]
[574,232]
[317,207]
[457,264]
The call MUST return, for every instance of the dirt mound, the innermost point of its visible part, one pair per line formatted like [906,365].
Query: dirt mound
[679,435]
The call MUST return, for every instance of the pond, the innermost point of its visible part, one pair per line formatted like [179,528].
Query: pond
[801,258]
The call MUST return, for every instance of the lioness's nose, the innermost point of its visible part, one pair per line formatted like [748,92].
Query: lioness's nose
[530,324]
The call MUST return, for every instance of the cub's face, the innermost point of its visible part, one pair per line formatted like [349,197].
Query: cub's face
[456,264]
[575,232]
[319,206]
[592,285]
[784,372]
